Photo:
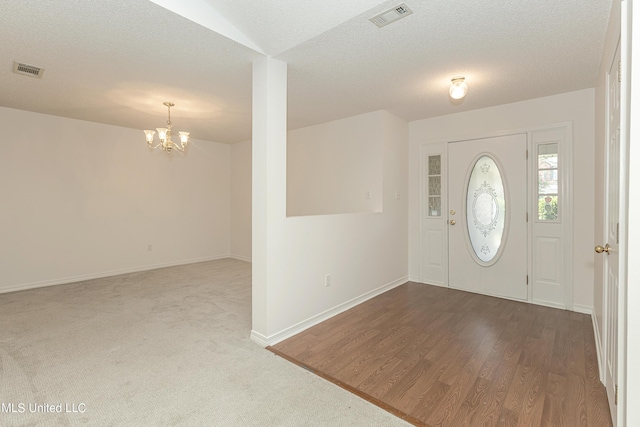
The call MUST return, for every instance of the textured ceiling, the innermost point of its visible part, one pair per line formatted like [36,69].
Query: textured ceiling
[116,62]
[279,25]
[508,51]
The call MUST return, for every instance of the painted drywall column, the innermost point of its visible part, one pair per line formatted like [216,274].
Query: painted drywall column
[269,166]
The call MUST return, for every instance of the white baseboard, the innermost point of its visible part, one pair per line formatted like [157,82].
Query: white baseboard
[545,303]
[584,309]
[596,335]
[259,339]
[240,257]
[578,308]
[314,320]
[440,285]
[83,277]
[414,279]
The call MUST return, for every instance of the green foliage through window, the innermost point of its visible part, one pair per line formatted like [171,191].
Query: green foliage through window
[548,208]
[548,182]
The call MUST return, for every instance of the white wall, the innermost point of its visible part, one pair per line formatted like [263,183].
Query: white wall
[365,253]
[577,107]
[241,200]
[82,200]
[335,169]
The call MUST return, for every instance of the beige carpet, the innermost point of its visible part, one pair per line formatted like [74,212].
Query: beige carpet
[168,347]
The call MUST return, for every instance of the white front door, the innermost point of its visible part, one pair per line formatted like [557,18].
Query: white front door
[612,237]
[487,216]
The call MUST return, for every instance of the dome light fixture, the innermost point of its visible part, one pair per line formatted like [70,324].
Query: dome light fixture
[458,88]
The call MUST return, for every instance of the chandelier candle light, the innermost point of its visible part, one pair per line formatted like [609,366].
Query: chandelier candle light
[164,134]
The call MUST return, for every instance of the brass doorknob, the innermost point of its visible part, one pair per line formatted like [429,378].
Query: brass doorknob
[452,222]
[600,249]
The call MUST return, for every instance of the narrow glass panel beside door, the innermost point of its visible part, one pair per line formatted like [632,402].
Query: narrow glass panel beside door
[435,186]
[548,182]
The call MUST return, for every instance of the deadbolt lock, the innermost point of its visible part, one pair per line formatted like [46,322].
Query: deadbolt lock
[452,212]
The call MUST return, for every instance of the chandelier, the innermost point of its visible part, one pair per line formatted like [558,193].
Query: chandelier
[164,134]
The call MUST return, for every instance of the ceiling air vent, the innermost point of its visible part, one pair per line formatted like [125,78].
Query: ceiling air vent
[391,15]
[27,70]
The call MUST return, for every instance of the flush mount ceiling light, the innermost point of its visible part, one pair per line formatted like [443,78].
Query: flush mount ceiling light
[458,88]
[164,134]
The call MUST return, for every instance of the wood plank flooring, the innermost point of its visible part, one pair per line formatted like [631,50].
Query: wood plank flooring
[439,357]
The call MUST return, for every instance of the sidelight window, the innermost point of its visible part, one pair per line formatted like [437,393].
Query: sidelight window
[435,186]
[548,182]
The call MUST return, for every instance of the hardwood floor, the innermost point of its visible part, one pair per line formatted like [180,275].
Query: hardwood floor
[440,357]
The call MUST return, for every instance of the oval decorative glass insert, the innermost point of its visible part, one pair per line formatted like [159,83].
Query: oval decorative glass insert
[486,209]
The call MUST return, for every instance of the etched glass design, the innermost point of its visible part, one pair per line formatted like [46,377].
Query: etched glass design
[434,165]
[548,182]
[435,186]
[434,206]
[486,209]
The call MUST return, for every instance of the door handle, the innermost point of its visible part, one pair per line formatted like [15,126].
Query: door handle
[600,249]
[452,222]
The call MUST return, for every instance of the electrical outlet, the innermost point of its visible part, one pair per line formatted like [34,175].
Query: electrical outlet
[368,195]
[149,247]
[327,280]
